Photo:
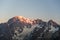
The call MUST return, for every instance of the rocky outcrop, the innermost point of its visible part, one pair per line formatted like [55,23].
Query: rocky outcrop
[42,31]
[48,31]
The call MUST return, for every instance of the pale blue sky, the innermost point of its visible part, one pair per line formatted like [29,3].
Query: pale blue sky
[43,9]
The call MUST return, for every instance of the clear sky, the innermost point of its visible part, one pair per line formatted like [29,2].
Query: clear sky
[43,9]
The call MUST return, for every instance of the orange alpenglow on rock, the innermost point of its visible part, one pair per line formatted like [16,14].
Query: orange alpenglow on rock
[23,19]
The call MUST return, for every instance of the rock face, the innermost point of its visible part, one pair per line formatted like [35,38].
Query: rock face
[45,31]
[41,30]
[19,21]
[5,33]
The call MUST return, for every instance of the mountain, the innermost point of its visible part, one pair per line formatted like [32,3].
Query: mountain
[20,19]
[43,27]
[51,22]
[23,20]
[29,29]
[45,31]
